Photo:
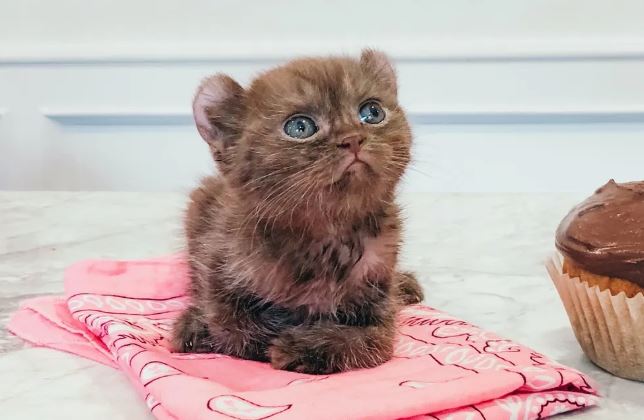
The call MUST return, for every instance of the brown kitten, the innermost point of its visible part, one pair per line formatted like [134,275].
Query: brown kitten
[293,247]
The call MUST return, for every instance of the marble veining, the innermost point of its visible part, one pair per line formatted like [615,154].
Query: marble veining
[479,256]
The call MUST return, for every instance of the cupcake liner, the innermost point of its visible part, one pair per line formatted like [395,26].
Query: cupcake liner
[609,329]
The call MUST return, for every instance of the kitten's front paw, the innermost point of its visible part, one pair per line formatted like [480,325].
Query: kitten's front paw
[285,354]
[411,291]
[190,335]
[331,348]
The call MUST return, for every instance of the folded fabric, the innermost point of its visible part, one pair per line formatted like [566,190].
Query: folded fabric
[120,313]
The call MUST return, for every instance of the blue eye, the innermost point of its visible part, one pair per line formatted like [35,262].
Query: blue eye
[300,127]
[371,112]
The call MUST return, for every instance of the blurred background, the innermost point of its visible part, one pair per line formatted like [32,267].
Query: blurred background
[504,96]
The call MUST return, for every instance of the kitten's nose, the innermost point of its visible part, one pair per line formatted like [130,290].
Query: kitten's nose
[352,142]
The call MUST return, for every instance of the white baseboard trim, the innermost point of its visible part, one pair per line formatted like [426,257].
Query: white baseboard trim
[101,117]
[263,51]
[529,116]
[179,117]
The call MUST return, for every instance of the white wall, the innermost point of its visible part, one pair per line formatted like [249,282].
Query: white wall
[504,95]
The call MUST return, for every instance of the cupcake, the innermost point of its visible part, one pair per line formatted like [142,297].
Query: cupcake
[601,277]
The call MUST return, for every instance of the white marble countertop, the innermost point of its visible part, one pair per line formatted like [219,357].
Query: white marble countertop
[479,256]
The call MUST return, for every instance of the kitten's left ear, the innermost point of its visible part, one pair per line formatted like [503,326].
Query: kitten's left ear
[218,110]
[377,63]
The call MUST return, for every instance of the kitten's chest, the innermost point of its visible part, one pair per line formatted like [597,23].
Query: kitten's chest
[330,258]
[325,273]
[329,274]
[341,259]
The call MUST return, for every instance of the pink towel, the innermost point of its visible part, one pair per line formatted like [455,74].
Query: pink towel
[119,313]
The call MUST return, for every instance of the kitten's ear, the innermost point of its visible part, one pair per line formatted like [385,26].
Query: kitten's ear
[377,63]
[218,109]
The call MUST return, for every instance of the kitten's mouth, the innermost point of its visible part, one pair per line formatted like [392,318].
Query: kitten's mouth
[356,167]
[356,162]
[352,169]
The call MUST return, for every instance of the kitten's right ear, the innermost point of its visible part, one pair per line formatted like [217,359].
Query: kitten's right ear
[218,110]
[379,64]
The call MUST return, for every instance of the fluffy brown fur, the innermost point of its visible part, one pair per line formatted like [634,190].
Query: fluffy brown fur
[293,249]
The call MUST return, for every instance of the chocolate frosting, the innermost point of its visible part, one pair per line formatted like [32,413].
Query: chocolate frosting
[605,233]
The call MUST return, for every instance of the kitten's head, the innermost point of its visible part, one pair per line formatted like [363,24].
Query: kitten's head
[317,134]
